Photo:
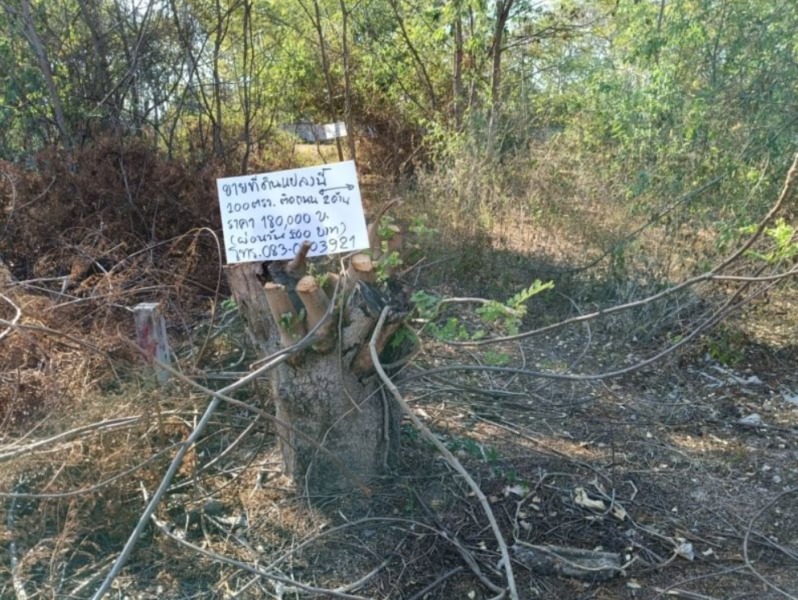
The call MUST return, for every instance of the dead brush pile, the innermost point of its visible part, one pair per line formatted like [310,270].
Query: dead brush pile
[82,426]
[112,198]
[83,239]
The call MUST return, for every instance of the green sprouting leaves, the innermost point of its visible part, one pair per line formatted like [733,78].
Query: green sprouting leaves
[387,227]
[389,261]
[451,331]
[322,279]
[403,334]
[782,235]
[426,304]
[421,229]
[507,316]
[290,323]
[427,307]
[510,314]
[522,297]
[496,312]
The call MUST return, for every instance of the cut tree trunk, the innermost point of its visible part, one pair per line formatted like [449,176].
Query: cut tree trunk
[342,411]
[337,429]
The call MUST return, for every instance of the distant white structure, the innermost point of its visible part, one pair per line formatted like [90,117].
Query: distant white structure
[311,133]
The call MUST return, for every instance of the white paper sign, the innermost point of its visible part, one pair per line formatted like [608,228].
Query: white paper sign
[268,216]
[308,132]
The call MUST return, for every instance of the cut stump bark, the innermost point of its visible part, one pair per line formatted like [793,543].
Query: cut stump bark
[327,394]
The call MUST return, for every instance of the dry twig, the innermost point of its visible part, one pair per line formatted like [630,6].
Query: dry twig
[281,580]
[16,580]
[14,320]
[714,274]
[450,458]
[748,532]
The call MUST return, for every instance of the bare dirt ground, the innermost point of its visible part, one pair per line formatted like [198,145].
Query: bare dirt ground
[685,467]
[689,485]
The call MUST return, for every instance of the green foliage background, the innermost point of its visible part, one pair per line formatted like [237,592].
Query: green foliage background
[635,103]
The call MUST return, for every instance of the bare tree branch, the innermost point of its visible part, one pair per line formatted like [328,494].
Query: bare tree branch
[450,458]
[712,274]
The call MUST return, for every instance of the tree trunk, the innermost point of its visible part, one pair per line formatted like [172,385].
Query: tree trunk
[422,70]
[350,127]
[216,119]
[247,60]
[44,65]
[342,411]
[457,75]
[503,8]
[341,431]
[325,66]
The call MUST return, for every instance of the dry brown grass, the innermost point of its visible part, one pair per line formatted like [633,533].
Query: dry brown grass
[664,445]
[665,442]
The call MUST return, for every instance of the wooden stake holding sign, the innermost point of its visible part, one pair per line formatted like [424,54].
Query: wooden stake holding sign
[328,391]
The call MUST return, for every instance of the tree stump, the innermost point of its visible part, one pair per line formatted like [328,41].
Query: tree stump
[337,429]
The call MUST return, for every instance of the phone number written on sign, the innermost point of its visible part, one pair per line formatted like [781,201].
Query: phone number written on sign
[284,235]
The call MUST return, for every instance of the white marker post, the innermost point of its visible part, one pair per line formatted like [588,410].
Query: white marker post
[151,337]
[269,216]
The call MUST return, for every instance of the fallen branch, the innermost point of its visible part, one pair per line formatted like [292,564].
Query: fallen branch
[450,458]
[729,306]
[711,275]
[569,562]
[285,583]
[16,581]
[14,320]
